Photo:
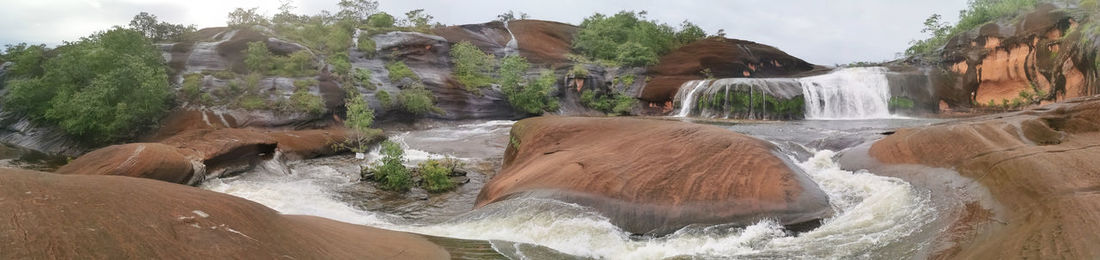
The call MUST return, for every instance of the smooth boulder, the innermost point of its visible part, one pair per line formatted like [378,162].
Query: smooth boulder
[652,176]
[112,217]
[1041,166]
[142,160]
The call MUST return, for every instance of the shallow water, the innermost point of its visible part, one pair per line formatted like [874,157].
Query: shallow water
[877,216]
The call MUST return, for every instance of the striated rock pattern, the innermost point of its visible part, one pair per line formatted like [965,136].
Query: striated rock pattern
[652,176]
[143,160]
[1041,165]
[109,217]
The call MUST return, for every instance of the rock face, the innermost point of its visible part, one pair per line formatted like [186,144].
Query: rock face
[195,155]
[652,176]
[726,58]
[543,42]
[113,217]
[143,160]
[997,61]
[1041,165]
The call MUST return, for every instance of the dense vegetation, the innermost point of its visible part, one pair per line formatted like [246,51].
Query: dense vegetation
[977,13]
[390,169]
[615,104]
[528,96]
[259,59]
[157,31]
[436,175]
[472,67]
[100,88]
[628,38]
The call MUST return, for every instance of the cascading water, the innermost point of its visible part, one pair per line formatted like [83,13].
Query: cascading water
[849,93]
[204,56]
[852,93]
[875,217]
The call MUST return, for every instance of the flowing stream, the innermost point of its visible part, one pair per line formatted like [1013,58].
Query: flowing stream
[877,216]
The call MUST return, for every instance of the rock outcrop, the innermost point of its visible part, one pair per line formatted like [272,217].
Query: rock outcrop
[1039,50]
[725,58]
[653,177]
[544,42]
[1040,165]
[112,217]
[195,155]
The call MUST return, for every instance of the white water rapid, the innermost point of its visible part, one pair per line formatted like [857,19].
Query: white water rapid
[851,93]
[687,100]
[874,214]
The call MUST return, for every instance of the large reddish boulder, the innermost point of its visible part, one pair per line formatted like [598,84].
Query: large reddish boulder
[651,176]
[111,217]
[543,42]
[1040,165]
[143,160]
[725,58]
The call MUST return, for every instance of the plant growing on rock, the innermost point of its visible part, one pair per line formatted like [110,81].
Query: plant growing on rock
[472,67]
[417,100]
[629,38]
[303,101]
[436,176]
[359,119]
[385,99]
[616,104]
[381,20]
[241,18]
[367,46]
[532,97]
[192,86]
[399,71]
[390,170]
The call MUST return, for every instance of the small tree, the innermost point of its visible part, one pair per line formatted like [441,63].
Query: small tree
[417,100]
[381,21]
[360,117]
[257,58]
[240,18]
[390,170]
[472,67]
[436,176]
[418,20]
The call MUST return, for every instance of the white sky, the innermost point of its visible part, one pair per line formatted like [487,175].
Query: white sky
[820,31]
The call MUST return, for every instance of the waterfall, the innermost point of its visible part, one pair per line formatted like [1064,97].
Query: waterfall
[852,93]
[849,93]
[513,46]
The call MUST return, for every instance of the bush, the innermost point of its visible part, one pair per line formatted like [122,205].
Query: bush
[385,99]
[101,89]
[381,20]
[298,64]
[241,18]
[630,39]
[579,71]
[28,60]
[220,74]
[399,71]
[367,46]
[156,31]
[303,101]
[258,59]
[359,119]
[253,103]
[978,12]
[527,96]
[900,102]
[417,100]
[436,176]
[390,170]
[363,77]
[192,86]
[616,104]
[304,83]
[472,67]
[340,63]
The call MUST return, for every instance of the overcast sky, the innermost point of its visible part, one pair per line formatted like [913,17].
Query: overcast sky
[820,31]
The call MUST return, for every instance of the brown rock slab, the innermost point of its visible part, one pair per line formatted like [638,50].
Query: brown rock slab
[1040,165]
[651,176]
[111,217]
[143,160]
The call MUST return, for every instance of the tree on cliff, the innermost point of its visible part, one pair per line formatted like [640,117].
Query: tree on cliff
[472,67]
[977,13]
[356,10]
[240,18]
[621,37]
[101,88]
[529,96]
[158,31]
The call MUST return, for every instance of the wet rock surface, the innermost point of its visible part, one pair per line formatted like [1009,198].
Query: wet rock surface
[652,176]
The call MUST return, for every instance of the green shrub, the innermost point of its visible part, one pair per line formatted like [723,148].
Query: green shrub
[252,83]
[304,83]
[901,102]
[253,103]
[101,89]
[340,63]
[436,176]
[27,60]
[399,71]
[303,101]
[977,13]
[381,20]
[192,86]
[532,97]
[257,58]
[472,67]
[630,39]
[417,100]
[390,170]
[616,104]
[579,71]
[298,64]
[221,74]
[359,119]
[367,46]
[363,77]
[385,99]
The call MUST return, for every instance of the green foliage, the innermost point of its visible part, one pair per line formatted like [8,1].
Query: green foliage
[418,21]
[304,83]
[616,104]
[363,77]
[356,10]
[625,80]
[257,58]
[241,18]
[220,74]
[417,100]
[628,38]
[977,13]
[303,101]
[359,118]
[385,99]
[367,46]
[101,88]
[900,103]
[579,71]
[436,176]
[156,31]
[532,97]
[298,64]
[340,62]
[253,103]
[399,71]
[390,170]
[381,20]
[472,67]
[27,59]
[192,85]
